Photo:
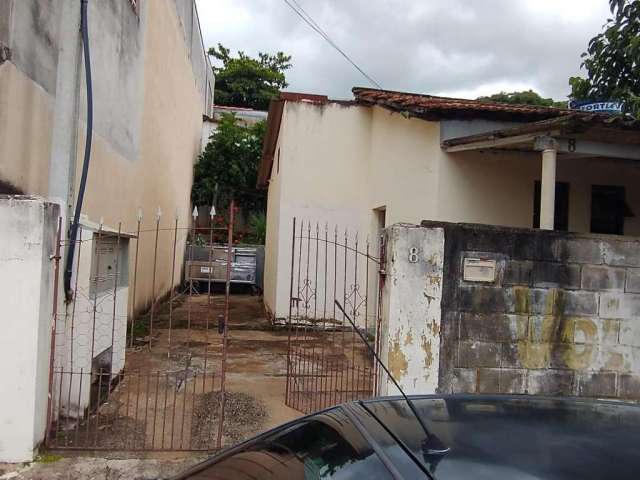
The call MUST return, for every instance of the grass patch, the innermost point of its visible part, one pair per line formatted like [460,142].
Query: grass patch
[48,458]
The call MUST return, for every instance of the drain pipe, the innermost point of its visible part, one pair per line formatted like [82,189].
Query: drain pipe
[73,231]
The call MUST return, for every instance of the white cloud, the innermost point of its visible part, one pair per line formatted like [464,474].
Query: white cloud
[456,47]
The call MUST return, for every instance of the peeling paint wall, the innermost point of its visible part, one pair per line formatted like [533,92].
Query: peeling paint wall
[410,338]
[561,317]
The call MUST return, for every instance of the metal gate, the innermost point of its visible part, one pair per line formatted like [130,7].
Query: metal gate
[145,378]
[327,362]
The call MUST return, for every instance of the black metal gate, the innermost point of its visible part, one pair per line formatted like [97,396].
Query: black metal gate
[146,378]
[327,362]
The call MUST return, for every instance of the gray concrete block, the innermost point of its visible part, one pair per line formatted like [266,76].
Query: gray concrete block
[478,354]
[501,380]
[602,277]
[619,305]
[633,280]
[630,332]
[550,329]
[573,357]
[531,301]
[494,328]
[596,384]
[561,275]
[622,253]
[486,300]
[550,382]
[518,273]
[578,250]
[629,386]
[576,303]
[464,380]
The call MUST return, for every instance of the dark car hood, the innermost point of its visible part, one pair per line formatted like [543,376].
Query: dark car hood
[518,437]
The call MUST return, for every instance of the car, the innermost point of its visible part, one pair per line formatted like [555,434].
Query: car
[466,437]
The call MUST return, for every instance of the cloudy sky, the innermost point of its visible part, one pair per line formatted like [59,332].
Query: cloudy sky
[462,48]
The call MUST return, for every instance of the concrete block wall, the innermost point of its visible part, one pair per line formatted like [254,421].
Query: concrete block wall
[562,316]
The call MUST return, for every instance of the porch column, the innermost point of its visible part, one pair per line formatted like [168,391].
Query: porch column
[549,148]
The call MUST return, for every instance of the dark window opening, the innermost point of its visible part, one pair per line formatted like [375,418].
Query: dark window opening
[561,211]
[278,163]
[608,209]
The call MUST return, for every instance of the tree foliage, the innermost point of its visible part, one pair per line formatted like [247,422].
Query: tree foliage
[244,81]
[526,97]
[612,60]
[228,167]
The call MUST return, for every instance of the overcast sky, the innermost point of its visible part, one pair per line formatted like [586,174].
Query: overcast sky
[461,48]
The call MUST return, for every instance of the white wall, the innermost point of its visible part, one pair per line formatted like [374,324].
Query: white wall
[497,188]
[29,227]
[340,162]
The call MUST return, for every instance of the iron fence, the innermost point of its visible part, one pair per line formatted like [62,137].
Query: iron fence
[327,363]
[138,355]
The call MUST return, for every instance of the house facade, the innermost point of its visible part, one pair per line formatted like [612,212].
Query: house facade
[393,157]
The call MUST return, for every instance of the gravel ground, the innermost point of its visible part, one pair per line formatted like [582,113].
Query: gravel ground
[96,469]
[244,416]
[113,432]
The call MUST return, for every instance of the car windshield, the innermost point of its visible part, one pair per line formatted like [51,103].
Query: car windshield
[324,447]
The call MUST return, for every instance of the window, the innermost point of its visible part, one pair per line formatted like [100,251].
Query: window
[607,209]
[278,163]
[561,213]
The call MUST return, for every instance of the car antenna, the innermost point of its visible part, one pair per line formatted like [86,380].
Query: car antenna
[433,445]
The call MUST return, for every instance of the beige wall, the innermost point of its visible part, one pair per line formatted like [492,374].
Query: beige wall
[497,188]
[169,144]
[338,163]
[160,175]
[25,131]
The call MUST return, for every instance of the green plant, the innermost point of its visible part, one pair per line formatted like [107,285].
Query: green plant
[228,167]
[258,227]
[527,97]
[243,81]
[612,60]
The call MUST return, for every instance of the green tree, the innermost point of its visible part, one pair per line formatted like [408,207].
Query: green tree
[228,167]
[526,97]
[612,60]
[243,81]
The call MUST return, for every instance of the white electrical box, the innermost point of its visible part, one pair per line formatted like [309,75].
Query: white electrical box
[479,270]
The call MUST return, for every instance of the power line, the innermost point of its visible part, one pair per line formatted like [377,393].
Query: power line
[314,25]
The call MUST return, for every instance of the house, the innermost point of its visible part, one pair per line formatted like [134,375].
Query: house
[152,84]
[393,157]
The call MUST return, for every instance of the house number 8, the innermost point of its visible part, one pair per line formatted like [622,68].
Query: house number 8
[413,255]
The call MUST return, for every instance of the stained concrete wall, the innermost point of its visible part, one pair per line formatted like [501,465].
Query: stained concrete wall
[29,226]
[562,316]
[149,82]
[411,295]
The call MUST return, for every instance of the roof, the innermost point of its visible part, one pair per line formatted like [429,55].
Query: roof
[593,127]
[535,118]
[430,107]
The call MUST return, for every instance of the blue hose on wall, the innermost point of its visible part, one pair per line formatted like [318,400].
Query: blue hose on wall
[73,231]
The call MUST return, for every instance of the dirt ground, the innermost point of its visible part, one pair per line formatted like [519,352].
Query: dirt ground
[169,395]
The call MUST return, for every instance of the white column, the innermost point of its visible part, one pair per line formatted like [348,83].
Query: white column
[63,158]
[549,149]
